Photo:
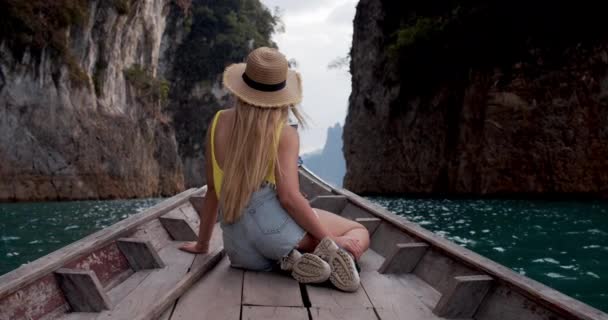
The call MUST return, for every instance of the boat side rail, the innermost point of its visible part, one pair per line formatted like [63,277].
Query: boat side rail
[554,300]
[29,273]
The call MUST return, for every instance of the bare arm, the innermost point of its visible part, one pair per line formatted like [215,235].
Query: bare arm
[288,186]
[210,205]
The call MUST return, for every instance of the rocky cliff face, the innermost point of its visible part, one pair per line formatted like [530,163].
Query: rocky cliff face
[478,99]
[81,103]
[105,99]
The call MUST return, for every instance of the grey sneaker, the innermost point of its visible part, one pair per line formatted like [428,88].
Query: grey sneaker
[344,273]
[306,268]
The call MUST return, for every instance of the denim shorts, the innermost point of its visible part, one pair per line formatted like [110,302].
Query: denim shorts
[264,233]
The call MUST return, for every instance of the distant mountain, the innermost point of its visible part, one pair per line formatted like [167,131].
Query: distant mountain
[328,163]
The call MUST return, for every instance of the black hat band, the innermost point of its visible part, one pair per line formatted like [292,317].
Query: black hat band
[262,86]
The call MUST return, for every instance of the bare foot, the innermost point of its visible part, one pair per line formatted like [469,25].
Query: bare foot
[194,247]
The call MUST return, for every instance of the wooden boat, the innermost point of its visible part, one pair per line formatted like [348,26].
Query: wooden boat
[133,270]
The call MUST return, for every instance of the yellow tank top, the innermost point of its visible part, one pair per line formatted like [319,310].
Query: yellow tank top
[218,173]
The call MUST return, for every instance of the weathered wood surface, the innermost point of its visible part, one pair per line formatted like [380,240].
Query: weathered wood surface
[216,296]
[83,290]
[463,297]
[354,212]
[329,303]
[371,261]
[386,237]
[178,226]
[154,286]
[389,296]
[274,313]
[343,314]
[166,314]
[422,290]
[311,189]
[371,224]
[504,303]
[122,290]
[197,203]
[107,262]
[37,269]
[439,270]
[182,286]
[201,264]
[535,292]
[393,300]
[34,300]
[191,216]
[154,232]
[328,297]
[271,289]
[334,204]
[404,257]
[140,254]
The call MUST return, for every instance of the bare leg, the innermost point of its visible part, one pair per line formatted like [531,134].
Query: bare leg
[338,226]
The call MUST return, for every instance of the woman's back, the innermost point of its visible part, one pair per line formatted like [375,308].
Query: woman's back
[222,127]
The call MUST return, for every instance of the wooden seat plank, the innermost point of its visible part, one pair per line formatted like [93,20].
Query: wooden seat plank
[154,286]
[197,203]
[217,295]
[191,216]
[271,289]
[178,226]
[154,232]
[82,290]
[439,270]
[354,212]
[464,296]
[140,254]
[371,224]
[274,313]
[404,257]
[422,290]
[334,204]
[386,237]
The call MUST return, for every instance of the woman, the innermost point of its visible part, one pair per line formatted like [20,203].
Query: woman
[252,176]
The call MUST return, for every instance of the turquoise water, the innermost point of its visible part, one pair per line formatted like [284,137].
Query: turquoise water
[29,231]
[563,244]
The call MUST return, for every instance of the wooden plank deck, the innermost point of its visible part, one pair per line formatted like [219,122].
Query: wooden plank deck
[234,294]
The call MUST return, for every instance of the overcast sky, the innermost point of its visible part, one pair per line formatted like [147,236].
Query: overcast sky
[316,33]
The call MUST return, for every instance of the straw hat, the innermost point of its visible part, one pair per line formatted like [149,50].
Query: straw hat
[264,80]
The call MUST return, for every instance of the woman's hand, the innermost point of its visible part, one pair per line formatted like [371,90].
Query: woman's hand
[351,245]
[194,247]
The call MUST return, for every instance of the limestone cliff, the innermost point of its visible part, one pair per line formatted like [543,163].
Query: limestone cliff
[93,93]
[467,97]
[81,100]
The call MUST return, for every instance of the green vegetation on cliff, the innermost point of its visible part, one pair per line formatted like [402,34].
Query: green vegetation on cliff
[221,32]
[443,40]
[150,87]
[41,24]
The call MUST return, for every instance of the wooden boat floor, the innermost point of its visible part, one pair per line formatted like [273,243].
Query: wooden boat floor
[230,293]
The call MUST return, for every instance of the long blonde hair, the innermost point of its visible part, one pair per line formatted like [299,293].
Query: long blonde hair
[251,155]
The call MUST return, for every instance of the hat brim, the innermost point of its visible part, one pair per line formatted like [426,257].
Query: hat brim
[291,94]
